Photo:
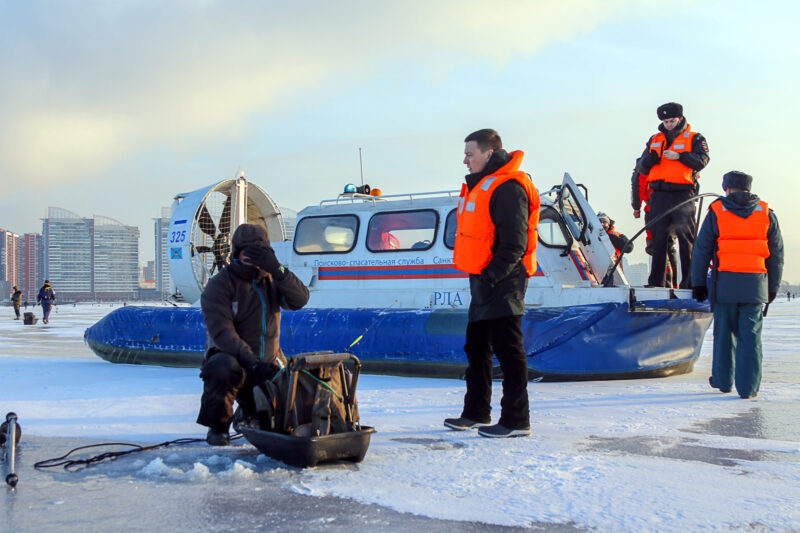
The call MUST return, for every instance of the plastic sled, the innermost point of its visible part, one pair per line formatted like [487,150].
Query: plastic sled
[291,440]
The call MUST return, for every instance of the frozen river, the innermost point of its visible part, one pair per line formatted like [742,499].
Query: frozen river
[641,455]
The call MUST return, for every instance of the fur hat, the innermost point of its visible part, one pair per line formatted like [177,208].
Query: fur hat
[737,180]
[669,110]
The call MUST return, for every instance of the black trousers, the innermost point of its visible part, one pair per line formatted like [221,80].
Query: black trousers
[681,223]
[503,337]
[224,380]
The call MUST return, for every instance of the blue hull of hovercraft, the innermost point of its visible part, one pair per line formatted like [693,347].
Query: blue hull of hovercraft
[597,341]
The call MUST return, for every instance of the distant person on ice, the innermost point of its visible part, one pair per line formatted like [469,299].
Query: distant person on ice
[495,243]
[16,301]
[741,235]
[47,297]
[242,310]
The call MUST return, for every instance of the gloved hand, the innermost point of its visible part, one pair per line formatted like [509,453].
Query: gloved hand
[652,158]
[264,258]
[700,293]
[261,371]
[772,296]
[486,278]
[669,154]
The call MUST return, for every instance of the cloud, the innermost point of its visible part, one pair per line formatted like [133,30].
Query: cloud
[88,85]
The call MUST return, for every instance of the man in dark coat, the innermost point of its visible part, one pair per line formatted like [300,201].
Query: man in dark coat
[47,297]
[498,291]
[672,160]
[619,241]
[742,237]
[242,311]
[16,301]
[640,197]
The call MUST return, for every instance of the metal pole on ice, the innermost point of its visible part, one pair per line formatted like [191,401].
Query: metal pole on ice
[12,434]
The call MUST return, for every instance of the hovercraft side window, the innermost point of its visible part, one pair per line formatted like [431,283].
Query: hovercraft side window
[450,227]
[573,214]
[326,234]
[400,231]
[553,232]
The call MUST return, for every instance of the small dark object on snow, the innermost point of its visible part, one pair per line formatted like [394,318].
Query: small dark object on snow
[29,319]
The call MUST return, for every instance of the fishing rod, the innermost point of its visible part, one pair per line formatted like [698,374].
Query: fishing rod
[10,432]
[608,279]
[358,339]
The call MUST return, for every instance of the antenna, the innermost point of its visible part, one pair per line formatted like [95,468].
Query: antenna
[361,164]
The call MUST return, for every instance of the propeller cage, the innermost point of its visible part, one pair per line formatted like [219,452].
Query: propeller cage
[202,223]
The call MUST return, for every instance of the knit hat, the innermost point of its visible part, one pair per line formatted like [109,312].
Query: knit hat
[248,235]
[669,110]
[737,180]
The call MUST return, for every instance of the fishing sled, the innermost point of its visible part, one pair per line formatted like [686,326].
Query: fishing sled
[307,413]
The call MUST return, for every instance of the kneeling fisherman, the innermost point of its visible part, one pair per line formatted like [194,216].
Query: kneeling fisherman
[242,311]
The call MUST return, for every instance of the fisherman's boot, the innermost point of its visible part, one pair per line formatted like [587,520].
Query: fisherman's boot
[218,438]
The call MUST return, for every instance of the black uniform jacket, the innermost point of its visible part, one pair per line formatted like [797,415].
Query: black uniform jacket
[696,159]
[499,291]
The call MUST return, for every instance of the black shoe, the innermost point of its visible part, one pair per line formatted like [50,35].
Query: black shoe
[217,438]
[501,432]
[748,397]
[711,382]
[461,423]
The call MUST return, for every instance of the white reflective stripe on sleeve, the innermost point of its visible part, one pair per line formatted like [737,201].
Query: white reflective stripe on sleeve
[487,183]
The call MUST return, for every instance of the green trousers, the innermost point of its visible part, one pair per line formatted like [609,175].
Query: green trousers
[737,347]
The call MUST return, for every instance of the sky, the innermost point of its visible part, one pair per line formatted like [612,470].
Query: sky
[113,108]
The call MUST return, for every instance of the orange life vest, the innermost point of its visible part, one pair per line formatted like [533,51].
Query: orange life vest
[475,233]
[742,244]
[617,251]
[671,170]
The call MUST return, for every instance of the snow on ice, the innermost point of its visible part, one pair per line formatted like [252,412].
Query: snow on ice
[658,454]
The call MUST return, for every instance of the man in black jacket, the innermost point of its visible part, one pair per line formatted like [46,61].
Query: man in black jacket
[672,160]
[502,197]
[242,311]
[742,237]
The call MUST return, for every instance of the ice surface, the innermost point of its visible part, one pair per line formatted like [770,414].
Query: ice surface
[661,454]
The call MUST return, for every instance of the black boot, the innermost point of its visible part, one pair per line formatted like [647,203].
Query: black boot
[218,438]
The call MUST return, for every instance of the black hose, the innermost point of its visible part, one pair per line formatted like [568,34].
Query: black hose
[608,279]
[70,463]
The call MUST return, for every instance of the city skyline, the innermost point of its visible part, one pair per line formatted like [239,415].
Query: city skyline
[118,108]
